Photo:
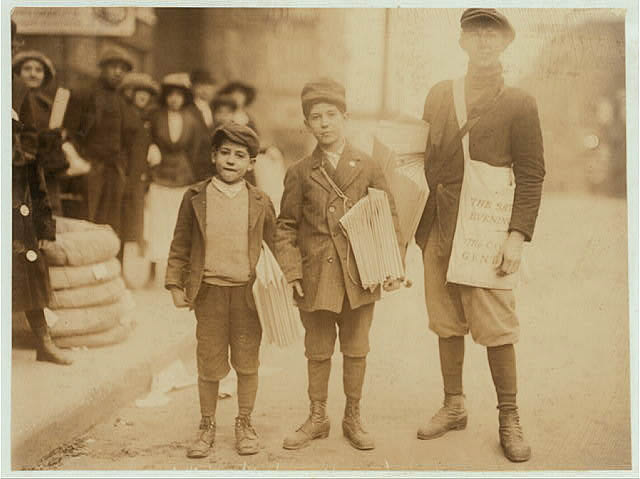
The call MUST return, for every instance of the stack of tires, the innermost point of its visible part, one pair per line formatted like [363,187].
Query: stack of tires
[89,300]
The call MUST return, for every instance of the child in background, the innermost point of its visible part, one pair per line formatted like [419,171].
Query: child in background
[216,245]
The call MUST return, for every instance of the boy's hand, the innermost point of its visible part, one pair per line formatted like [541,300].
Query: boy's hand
[511,254]
[179,298]
[296,285]
[392,284]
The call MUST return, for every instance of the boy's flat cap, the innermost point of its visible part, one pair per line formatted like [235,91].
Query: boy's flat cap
[140,81]
[238,134]
[115,53]
[472,15]
[323,89]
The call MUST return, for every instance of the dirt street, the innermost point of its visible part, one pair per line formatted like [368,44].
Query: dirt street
[573,366]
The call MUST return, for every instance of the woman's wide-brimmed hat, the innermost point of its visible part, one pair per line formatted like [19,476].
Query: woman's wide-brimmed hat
[172,81]
[140,81]
[21,57]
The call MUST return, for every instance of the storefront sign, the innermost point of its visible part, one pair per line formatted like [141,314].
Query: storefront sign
[114,21]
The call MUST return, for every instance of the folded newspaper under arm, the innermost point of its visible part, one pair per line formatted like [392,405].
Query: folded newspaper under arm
[398,148]
[279,316]
[369,228]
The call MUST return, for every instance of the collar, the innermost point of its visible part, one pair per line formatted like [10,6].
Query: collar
[201,104]
[337,153]
[229,190]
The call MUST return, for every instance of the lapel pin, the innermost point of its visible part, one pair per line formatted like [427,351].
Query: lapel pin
[352,164]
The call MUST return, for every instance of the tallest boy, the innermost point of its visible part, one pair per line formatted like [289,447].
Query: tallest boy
[506,134]
[316,259]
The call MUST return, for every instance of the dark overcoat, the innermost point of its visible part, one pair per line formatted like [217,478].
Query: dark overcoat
[31,214]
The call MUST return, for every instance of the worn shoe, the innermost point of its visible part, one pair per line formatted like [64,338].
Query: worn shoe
[246,437]
[205,439]
[452,416]
[316,426]
[514,446]
[352,427]
[48,351]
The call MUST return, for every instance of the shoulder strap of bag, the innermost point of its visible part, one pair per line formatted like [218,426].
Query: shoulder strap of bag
[455,144]
[345,199]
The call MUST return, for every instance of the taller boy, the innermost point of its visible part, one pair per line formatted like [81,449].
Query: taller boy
[316,259]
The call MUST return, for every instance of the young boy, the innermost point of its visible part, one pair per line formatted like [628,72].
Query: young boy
[216,245]
[316,259]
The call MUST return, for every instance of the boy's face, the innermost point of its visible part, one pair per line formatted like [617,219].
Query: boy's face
[483,44]
[232,161]
[327,123]
[113,71]
[141,98]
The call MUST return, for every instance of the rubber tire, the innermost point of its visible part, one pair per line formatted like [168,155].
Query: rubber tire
[113,336]
[104,293]
[77,248]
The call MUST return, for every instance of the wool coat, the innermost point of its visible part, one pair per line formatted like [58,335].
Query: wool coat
[310,246]
[508,134]
[185,268]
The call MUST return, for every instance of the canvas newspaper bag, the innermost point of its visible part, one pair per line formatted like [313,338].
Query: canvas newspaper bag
[484,214]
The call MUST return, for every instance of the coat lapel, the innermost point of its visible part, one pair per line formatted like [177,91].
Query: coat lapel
[256,207]
[199,202]
[349,167]
[316,174]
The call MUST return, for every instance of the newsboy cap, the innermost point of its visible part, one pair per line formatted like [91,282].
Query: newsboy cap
[323,90]
[476,15]
[115,53]
[241,134]
[139,81]
[21,57]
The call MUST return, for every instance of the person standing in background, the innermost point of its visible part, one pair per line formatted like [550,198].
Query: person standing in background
[504,131]
[244,96]
[103,130]
[38,73]
[176,133]
[32,221]
[203,87]
[144,90]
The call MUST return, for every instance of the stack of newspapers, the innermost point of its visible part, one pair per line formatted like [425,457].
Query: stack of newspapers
[399,150]
[372,236]
[279,317]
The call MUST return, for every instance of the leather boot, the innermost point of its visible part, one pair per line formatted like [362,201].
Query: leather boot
[204,440]
[352,427]
[514,446]
[46,350]
[316,426]
[452,416]
[247,442]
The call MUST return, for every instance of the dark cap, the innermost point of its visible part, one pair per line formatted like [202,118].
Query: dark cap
[473,16]
[323,90]
[202,76]
[114,53]
[240,134]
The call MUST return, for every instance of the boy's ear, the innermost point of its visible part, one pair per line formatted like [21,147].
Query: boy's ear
[306,123]
[252,162]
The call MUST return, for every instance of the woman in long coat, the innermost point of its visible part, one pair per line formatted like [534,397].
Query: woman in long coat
[32,224]
[174,166]
[37,72]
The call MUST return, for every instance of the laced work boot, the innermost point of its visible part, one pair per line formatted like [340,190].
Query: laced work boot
[352,427]
[515,448]
[451,416]
[48,351]
[316,426]
[205,439]
[246,437]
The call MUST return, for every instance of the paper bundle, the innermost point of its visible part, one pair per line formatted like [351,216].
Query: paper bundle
[399,150]
[279,317]
[369,227]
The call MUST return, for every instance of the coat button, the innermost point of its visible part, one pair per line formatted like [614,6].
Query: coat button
[31,256]
[24,210]
[330,259]
[332,209]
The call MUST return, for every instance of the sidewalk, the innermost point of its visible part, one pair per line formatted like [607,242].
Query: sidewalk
[52,404]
